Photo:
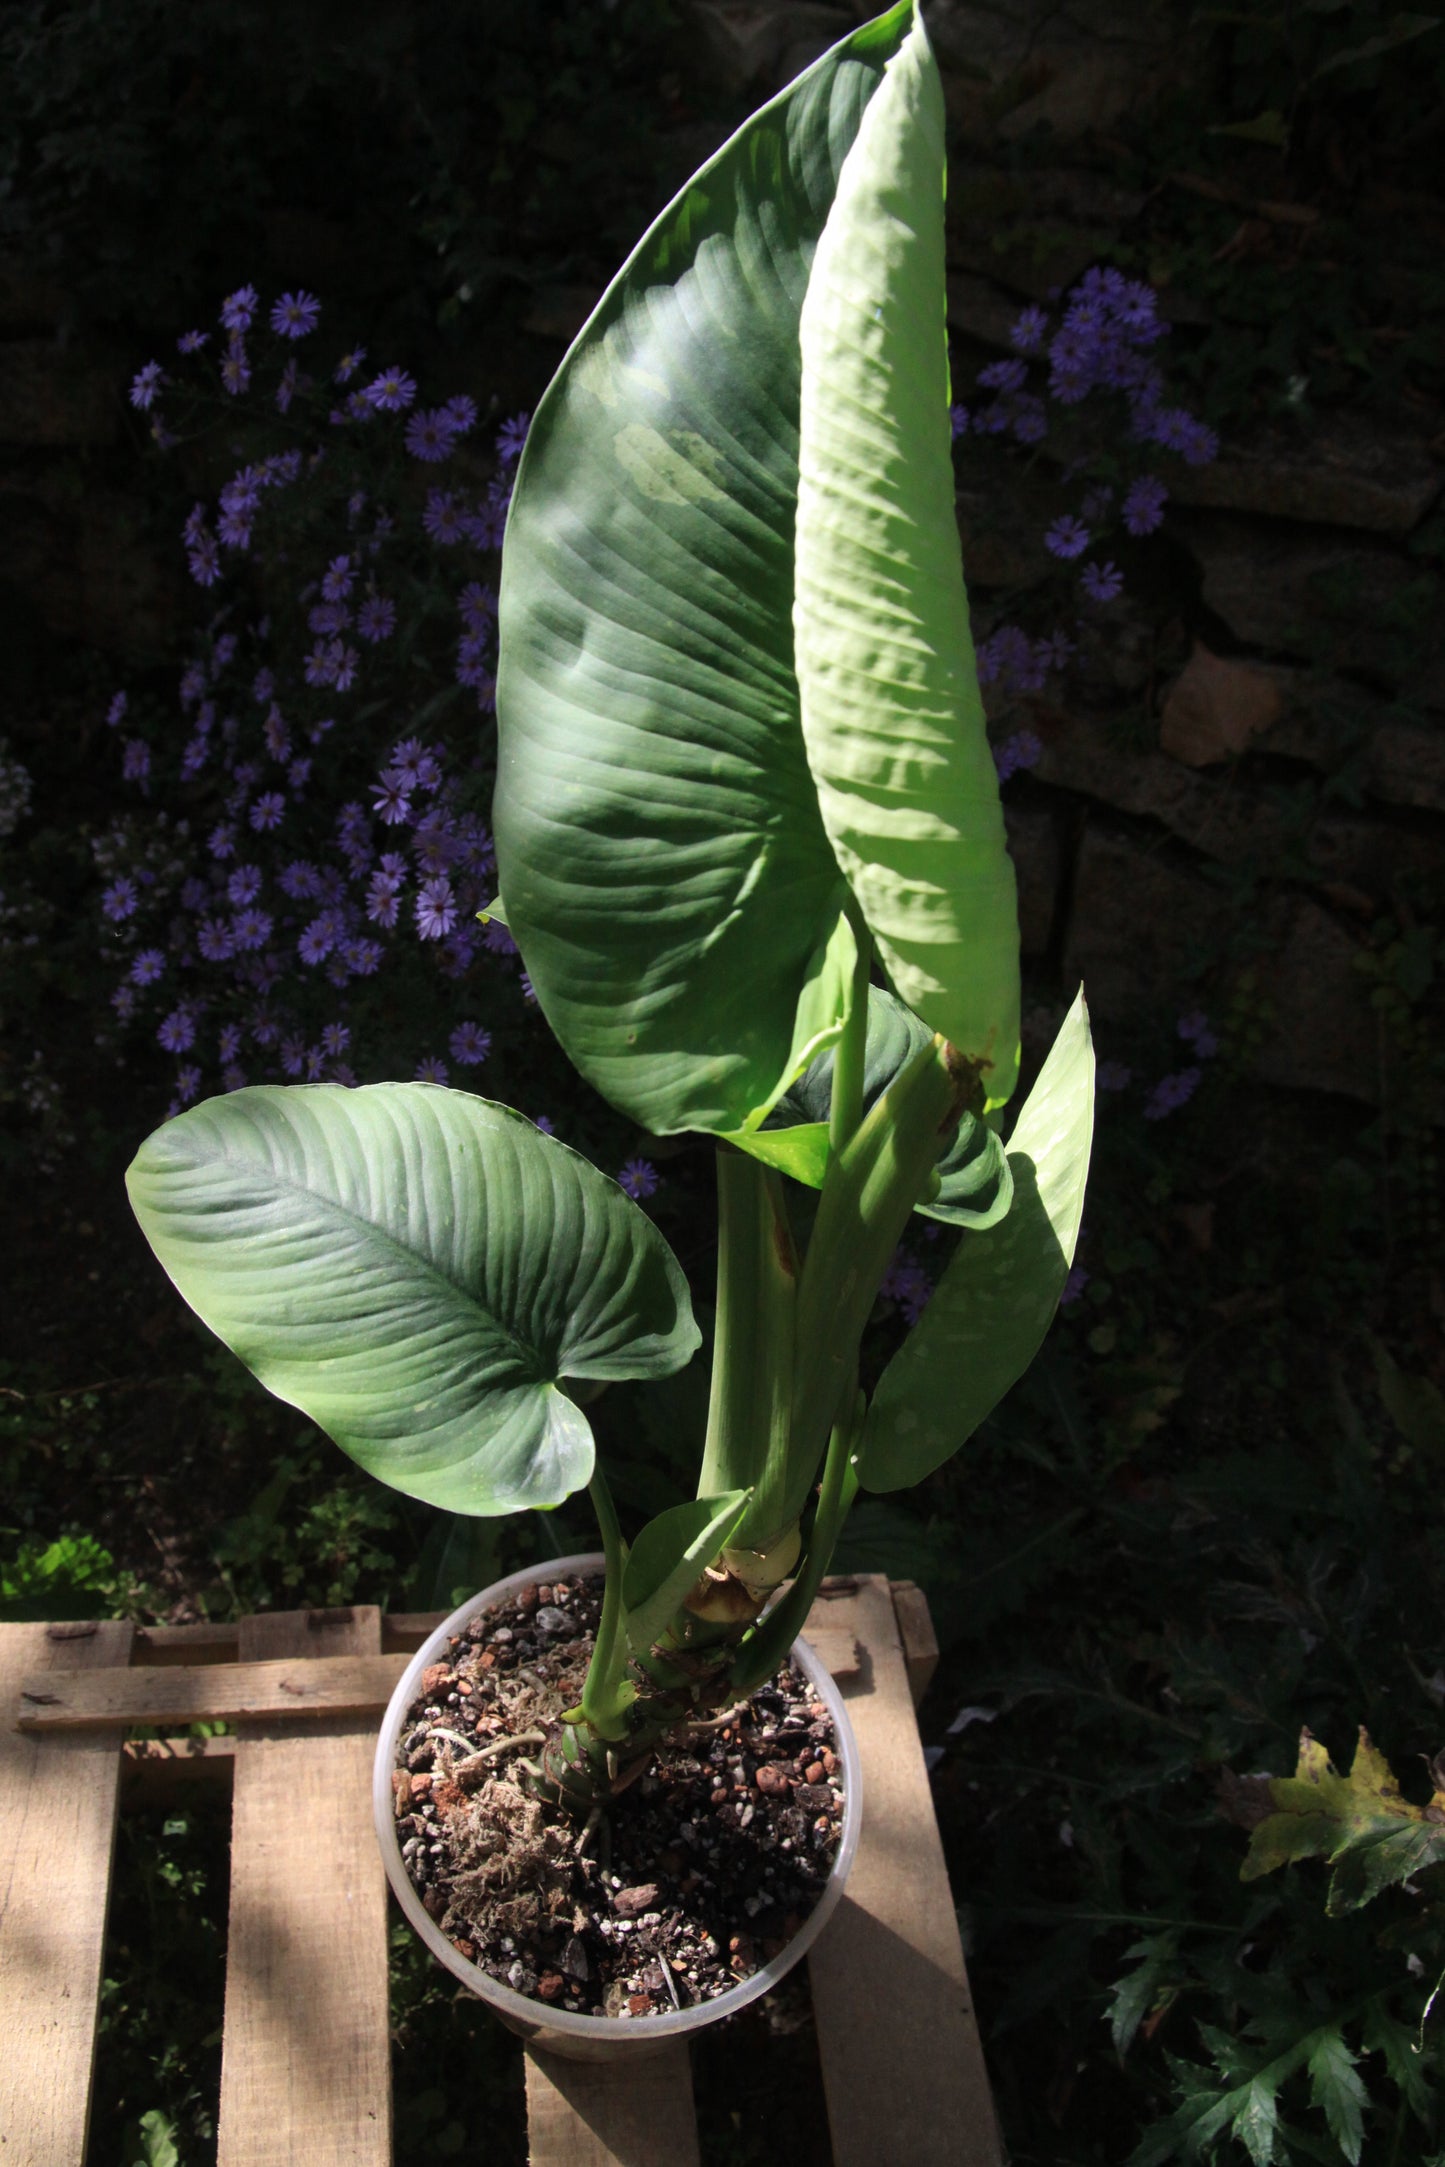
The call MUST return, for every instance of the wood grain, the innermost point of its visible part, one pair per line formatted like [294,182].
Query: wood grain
[57,1834]
[342,1685]
[915,1630]
[632,2113]
[902,2062]
[305,2065]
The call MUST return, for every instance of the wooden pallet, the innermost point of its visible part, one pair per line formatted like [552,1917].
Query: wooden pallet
[305,2060]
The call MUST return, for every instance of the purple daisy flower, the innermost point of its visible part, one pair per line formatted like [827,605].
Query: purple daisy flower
[461,412]
[470,1044]
[1067,537]
[295,314]
[1144,502]
[135,763]
[390,800]
[430,1070]
[391,392]
[512,436]
[1170,1093]
[1029,331]
[115,713]
[639,1178]
[251,929]
[238,308]
[236,370]
[348,365]
[430,435]
[288,384]
[191,342]
[958,421]
[120,899]
[477,605]
[244,884]
[268,811]
[148,966]
[178,1031]
[338,579]
[436,909]
[146,385]
[443,518]
[204,561]
[376,618]
[228,1041]
[1101,582]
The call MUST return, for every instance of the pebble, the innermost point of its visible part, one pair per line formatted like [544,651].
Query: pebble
[628,1903]
[550,1619]
[435,1676]
[771,1779]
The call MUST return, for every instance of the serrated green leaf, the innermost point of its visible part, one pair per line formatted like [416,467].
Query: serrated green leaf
[975,1181]
[669,1556]
[667,875]
[993,1305]
[417,1270]
[1337,2090]
[1256,2120]
[891,712]
[1137,1992]
[1360,1824]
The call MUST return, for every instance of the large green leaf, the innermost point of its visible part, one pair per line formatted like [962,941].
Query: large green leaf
[994,1303]
[891,713]
[666,872]
[418,1270]
[975,1180]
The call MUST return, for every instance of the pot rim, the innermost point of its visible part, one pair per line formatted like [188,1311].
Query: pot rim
[521,2011]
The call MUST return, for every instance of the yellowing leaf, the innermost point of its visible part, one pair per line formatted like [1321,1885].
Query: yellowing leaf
[1360,1824]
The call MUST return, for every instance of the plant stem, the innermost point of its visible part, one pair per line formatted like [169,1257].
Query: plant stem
[602,1701]
[769,1643]
[850,1054]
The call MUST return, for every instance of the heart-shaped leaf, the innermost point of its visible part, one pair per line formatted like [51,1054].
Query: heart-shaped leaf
[891,712]
[993,1305]
[975,1181]
[666,873]
[668,1557]
[418,1271]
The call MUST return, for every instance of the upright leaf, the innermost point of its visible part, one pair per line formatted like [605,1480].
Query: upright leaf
[994,1303]
[891,712]
[418,1271]
[665,869]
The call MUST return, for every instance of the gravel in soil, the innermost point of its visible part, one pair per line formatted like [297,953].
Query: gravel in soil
[703,1870]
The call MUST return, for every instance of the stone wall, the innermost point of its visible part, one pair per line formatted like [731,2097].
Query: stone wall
[1290,765]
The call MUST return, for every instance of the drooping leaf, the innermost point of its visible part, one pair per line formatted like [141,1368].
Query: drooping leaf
[669,1556]
[975,1182]
[891,711]
[1360,1824]
[666,873]
[993,1305]
[417,1270]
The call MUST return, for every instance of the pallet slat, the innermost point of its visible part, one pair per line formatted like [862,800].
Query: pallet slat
[302,1683]
[57,1834]
[902,2064]
[305,2058]
[611,2114]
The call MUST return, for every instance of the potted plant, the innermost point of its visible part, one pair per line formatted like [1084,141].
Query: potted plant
[742,772]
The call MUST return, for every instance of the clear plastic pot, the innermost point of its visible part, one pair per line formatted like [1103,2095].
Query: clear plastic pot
[561,2031]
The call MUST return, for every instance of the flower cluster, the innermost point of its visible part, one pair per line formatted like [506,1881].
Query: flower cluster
[318,793]
[1100,341]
